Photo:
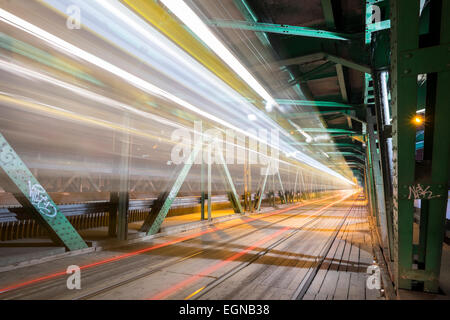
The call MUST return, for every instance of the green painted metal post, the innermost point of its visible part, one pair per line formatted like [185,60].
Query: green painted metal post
[202,187]
[234,196]
[263,188]
[440,162]
[378,179]
[384,135]
[31,195]
[209,182]
[404,37]
[282,189]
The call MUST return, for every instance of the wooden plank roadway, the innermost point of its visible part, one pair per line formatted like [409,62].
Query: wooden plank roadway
[268,258]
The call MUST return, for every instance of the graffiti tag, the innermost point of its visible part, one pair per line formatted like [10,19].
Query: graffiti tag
[419,192]
[41,201]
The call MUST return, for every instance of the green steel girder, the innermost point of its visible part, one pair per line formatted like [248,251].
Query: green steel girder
[32,196]
[405,48]
[314,114]
[346,154]
[381,45]
[329,130]
[378,26]
[328,13]
[342,82]
[349,63]
[337,145]
[360,62]
[281,29]
[160,209]
[263,188]
[281,186]
[233,194]
[425,60]
[330,104]
[375,160]
[249,15]
[355,149]
[316,73]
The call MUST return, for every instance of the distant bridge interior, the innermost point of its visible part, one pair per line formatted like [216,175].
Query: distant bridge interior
[227,149]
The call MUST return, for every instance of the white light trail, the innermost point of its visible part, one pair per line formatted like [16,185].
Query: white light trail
[193,22]
[62,45]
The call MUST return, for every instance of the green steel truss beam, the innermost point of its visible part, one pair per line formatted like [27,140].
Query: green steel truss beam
[31,195]
[327,9]
[328,130]
[337,145]
[404,41]
[378,180]
[263,188]
[349,63]
[315,73]
[233,194]
[330,104]
[362,66]
[162,205]
[342,82]
[280,29]
[283,194]
[249,15]
[378,26]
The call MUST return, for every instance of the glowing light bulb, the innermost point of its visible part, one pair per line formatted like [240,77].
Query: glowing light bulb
[418,120]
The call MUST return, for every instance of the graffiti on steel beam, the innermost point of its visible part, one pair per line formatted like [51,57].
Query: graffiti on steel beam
[420,192]
[40,200]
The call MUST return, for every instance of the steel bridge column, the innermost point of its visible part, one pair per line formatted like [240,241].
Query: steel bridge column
[404,37]
[209,182]
[378,179]
[410,60]
[438,114]
[202,187]
[385,146]
[263,188]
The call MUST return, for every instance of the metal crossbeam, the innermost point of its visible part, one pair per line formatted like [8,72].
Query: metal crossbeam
[313,103]
[32,196]
[280,29]
[329,130]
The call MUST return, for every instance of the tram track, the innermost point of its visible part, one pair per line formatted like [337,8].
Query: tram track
[238,268]
[112,265]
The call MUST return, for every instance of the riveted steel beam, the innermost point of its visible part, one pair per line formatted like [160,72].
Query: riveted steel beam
[280,29]
[404,37]
[263,188]
[31,195]
[330,104]
[233,194]
[162,205]
[329,130]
